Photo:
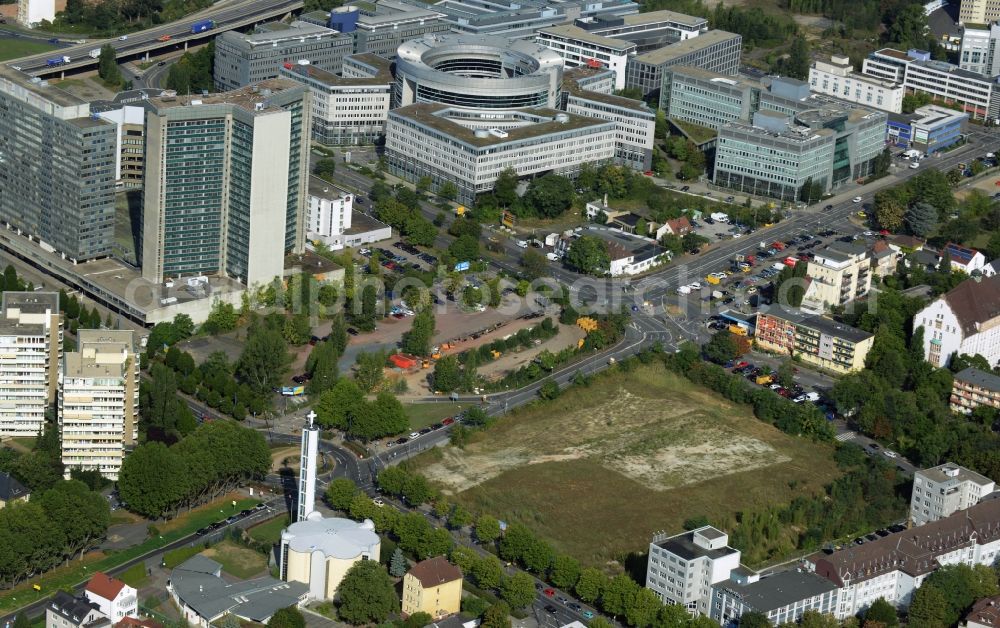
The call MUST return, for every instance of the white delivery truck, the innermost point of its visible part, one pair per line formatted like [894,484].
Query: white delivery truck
[95,53]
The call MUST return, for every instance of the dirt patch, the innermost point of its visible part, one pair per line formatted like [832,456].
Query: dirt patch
[280,455]
[660,445]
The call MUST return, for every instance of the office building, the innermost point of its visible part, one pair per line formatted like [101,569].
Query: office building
[57,174]
[795,139]
[580,48]
[964,320]
[130,124]
[30,13]
[31,336]
[715,51]
[12,491]
[945,83]
[839,273]
[380,28]
[929,129]
[66,611]
[478,72]
[782,597]
[707,98]
[683,568]
[226,178]
[894,566]
[472,147]
[115,599]
[978,12]
[972,388]
[99,402]
[347,110]
[648,31]
[521,19]
[837,78]
[432,586]
[814,339]
[635,122]
[243,59]
[944,490]
[204,597]
[331,219]
[979,52]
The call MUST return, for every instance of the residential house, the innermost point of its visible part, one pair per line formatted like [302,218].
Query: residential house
[905,243]
[630,222]
[894,566]
[964,320]
[945,489]
[883,258]
[984,614]
[634,261]
[992,268]
[66,611]
[432,586]
[679,226]
[814,339]
[115,599]
[965,259]
[11,490]
[972,388]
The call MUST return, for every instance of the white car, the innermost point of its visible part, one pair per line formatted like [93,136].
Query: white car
[123,38]
[889,453]
[378,501]
[857,199]
[695,285]
[522,243]
[552,257]
[914,165]
[414,435]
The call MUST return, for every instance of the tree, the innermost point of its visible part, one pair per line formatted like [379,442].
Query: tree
[81,514]
[152,480]
[883,613]
[889,210]
[264,361]
[721,348]
[418,620]
[337,404]
[448,191]
[565,571]
[325,168]
[505,187]
[365,319]
[920,219]
[909,29]
[517,590]
[644,608]
[367,594]
[929,608]
[447,376]
[22,621]
[417,341]
[107,66]
[369,370]
[465,248]
[398,564]
[321,365]
[496,616]
[289,617]
[487,571]
[534,264]
[589,255]
[340,492]
[590,585]
[754,619]
[549,196]
[619,595]
[487,529]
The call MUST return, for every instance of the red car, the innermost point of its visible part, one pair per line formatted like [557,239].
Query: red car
[742,365]
[549,592]
[448,421]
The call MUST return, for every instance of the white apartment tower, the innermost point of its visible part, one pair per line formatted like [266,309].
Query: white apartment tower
[946,489]
[99,401]
[328,213]
[30,352]
[683,568]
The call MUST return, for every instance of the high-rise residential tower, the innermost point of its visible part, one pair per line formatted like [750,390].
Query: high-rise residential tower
[30,355]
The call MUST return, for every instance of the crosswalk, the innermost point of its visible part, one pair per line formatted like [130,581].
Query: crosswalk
[846,436]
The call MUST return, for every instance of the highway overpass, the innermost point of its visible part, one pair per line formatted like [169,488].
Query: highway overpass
[144,43]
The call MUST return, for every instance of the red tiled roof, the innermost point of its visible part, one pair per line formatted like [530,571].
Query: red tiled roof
[435,571]
[132,622]
[105,586]
[986,611]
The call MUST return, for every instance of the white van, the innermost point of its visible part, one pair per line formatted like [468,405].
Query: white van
[522,243]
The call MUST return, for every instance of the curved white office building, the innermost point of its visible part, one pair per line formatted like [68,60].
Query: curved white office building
[318,551]
[480,72]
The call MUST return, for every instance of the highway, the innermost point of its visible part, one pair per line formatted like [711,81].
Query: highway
[226,17]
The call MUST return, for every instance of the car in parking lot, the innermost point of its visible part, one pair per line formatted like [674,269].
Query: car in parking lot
[549,592]
[448,421]
[888,453]
[856,199]
[402,441]
[378,501]
[588,614]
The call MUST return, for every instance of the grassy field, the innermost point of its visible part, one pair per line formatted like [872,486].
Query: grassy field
[269,532]
[78,571]
[14,48]
[135,576]
[602,468]
[238,561]
[424,414]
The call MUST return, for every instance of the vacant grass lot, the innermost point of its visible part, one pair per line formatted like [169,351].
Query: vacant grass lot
[602,468]
[269,532]
[238,561]
[423,414]
[15,48]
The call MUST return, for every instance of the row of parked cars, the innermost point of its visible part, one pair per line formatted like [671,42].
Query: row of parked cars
[426,430]
[764,377]
[230,520]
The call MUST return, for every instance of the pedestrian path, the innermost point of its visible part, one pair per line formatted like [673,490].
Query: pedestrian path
[846,436]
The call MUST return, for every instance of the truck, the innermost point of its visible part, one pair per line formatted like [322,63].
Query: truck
[201,26]
[743,263]
[57,61]
[95,53]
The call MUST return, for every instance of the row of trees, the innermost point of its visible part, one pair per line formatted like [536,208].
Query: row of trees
[400,208]
[157,481]
[916,206]
[344,407]
[55,526]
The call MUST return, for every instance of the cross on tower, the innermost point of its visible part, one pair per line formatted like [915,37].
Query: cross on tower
[312,417]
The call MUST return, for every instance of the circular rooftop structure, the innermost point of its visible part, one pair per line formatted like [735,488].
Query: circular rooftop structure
[478,72]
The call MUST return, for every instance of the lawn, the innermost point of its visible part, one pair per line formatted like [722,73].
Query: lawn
[270,531]
[78,571]
[15,48]
[424,414]
[135,576]
[602,468]
[236,560]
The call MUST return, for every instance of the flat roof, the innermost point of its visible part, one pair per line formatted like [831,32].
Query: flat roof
[683,545]
[383,78]
[575,32]
[247,98]
[780,589]
[324,189]
[570,85]
[431,115]
[279,31]
[950,472]
[663,16]
[739,80]
[681,48]
[895,54]
[819,323]
[363,223]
